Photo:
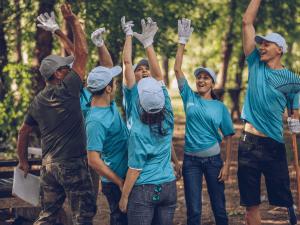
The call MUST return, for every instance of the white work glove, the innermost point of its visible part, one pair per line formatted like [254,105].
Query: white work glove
[47,22]
[97,36]
[184,30]
[127,27]
[149,30]
[293,125]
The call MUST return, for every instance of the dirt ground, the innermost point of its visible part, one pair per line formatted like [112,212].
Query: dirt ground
[269,214]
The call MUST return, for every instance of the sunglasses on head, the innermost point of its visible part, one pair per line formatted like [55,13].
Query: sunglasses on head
[156,197]
[64,67]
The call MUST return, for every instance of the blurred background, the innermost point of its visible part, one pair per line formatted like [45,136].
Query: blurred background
[216,43]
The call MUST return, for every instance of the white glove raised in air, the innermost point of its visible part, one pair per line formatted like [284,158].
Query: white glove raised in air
[97,37]
[47,22]
[184,30]
[149,30]
[127,27]
[293,125]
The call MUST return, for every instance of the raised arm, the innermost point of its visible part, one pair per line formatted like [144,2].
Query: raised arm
[128,72]
[153,63]
[68,45]
[184,32]
[248,28]
[104,56]
[81,50]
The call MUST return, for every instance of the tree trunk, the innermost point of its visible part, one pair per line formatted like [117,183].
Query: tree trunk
[42,49]
[18,52]
[165,71]
[3,60]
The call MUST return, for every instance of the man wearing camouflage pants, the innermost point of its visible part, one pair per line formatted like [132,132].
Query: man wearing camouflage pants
[57,112]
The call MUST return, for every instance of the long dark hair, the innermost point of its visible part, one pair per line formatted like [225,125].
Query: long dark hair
[213,94]
[155,122]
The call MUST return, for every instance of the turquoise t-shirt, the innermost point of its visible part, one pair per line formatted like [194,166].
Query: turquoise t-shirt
[264,105]
[150,154]
[203,118]
[107,133]
[85,97]
[131,105]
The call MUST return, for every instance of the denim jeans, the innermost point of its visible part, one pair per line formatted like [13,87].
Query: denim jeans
[113,195]
[142,210]
[193,169]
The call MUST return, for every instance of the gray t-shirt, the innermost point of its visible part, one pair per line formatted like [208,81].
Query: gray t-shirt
[57,112]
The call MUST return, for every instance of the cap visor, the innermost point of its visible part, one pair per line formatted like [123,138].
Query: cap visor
[258,39]
[116,70]
[67,60]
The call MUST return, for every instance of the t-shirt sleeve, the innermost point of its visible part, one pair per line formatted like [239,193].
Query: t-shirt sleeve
[253,58]
[137,152]
[226,125]
[187,91]
[72,83]
[30,121]
[296,102]
[95,135]
[130,98]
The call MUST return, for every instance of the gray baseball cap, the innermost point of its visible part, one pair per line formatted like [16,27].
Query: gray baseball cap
[142,61]
[100,77]
[151,95]
[200,69]
[273,37]
[52,62]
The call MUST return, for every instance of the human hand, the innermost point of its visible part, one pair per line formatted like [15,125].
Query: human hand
[24,167]
[184,30]
[177,171]
[47,22]
[123,204]
[293,125]
[127,27]
[148,32]
[68,14]
[97,37]
[224,173]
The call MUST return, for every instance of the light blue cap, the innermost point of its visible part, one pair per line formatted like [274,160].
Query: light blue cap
[273,37]
[200,69]
[100,77]
[151,95]
[142,61]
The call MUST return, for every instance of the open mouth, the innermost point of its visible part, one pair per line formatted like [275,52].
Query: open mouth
[201,85]
[145,75]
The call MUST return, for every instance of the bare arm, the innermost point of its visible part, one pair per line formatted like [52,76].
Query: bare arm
[248,28]
[68,45]
[23,141]
[153,63]
[178,62]
[176,164]
[104,57]
[296,113]
[102,169]
[81,50]
[224,173]
[131,177]
[128,74]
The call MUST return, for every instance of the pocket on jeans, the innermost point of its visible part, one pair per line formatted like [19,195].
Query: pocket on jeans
[244,148]
[217,161]
[105,189]
[186,162]
[279,151]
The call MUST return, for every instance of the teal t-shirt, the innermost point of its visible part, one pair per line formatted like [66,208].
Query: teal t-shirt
[85,98]
[203,118]
[264,105]
[150,154]
[107,133]
[131,105]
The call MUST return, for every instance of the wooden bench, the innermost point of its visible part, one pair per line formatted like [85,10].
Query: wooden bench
[23,208]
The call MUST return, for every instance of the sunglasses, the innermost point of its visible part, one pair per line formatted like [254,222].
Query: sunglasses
[64,67]
[157,190]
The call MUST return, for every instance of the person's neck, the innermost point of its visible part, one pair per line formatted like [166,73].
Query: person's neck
[274,64]
[101,101]
[206,96]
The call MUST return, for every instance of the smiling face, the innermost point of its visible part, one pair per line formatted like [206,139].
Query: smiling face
[141,72]
[269,50]
[204,83]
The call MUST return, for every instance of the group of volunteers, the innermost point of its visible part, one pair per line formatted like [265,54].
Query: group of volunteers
[84,135]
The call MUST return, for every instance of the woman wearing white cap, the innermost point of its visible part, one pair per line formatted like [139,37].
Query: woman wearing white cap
[204,116]
[149,192]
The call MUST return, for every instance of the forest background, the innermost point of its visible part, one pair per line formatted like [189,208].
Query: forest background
[216,43]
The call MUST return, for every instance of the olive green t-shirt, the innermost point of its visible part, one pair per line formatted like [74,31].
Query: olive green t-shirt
[57,112]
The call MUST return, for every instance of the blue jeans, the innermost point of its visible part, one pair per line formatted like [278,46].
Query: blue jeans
[193,169]
[142,210]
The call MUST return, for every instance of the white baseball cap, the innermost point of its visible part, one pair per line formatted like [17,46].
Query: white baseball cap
[151,95]
[273,37]
[53,62]
[100,77]
[142,61]
[211,73]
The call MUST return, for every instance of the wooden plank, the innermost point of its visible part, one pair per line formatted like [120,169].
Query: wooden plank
[15,162]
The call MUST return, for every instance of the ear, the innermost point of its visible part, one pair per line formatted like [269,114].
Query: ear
[213,85]
[280,50]
[108,88]
[57,75]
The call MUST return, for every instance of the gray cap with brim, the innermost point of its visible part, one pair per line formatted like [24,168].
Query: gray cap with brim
[100,77]
[142,61]
[53,62]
